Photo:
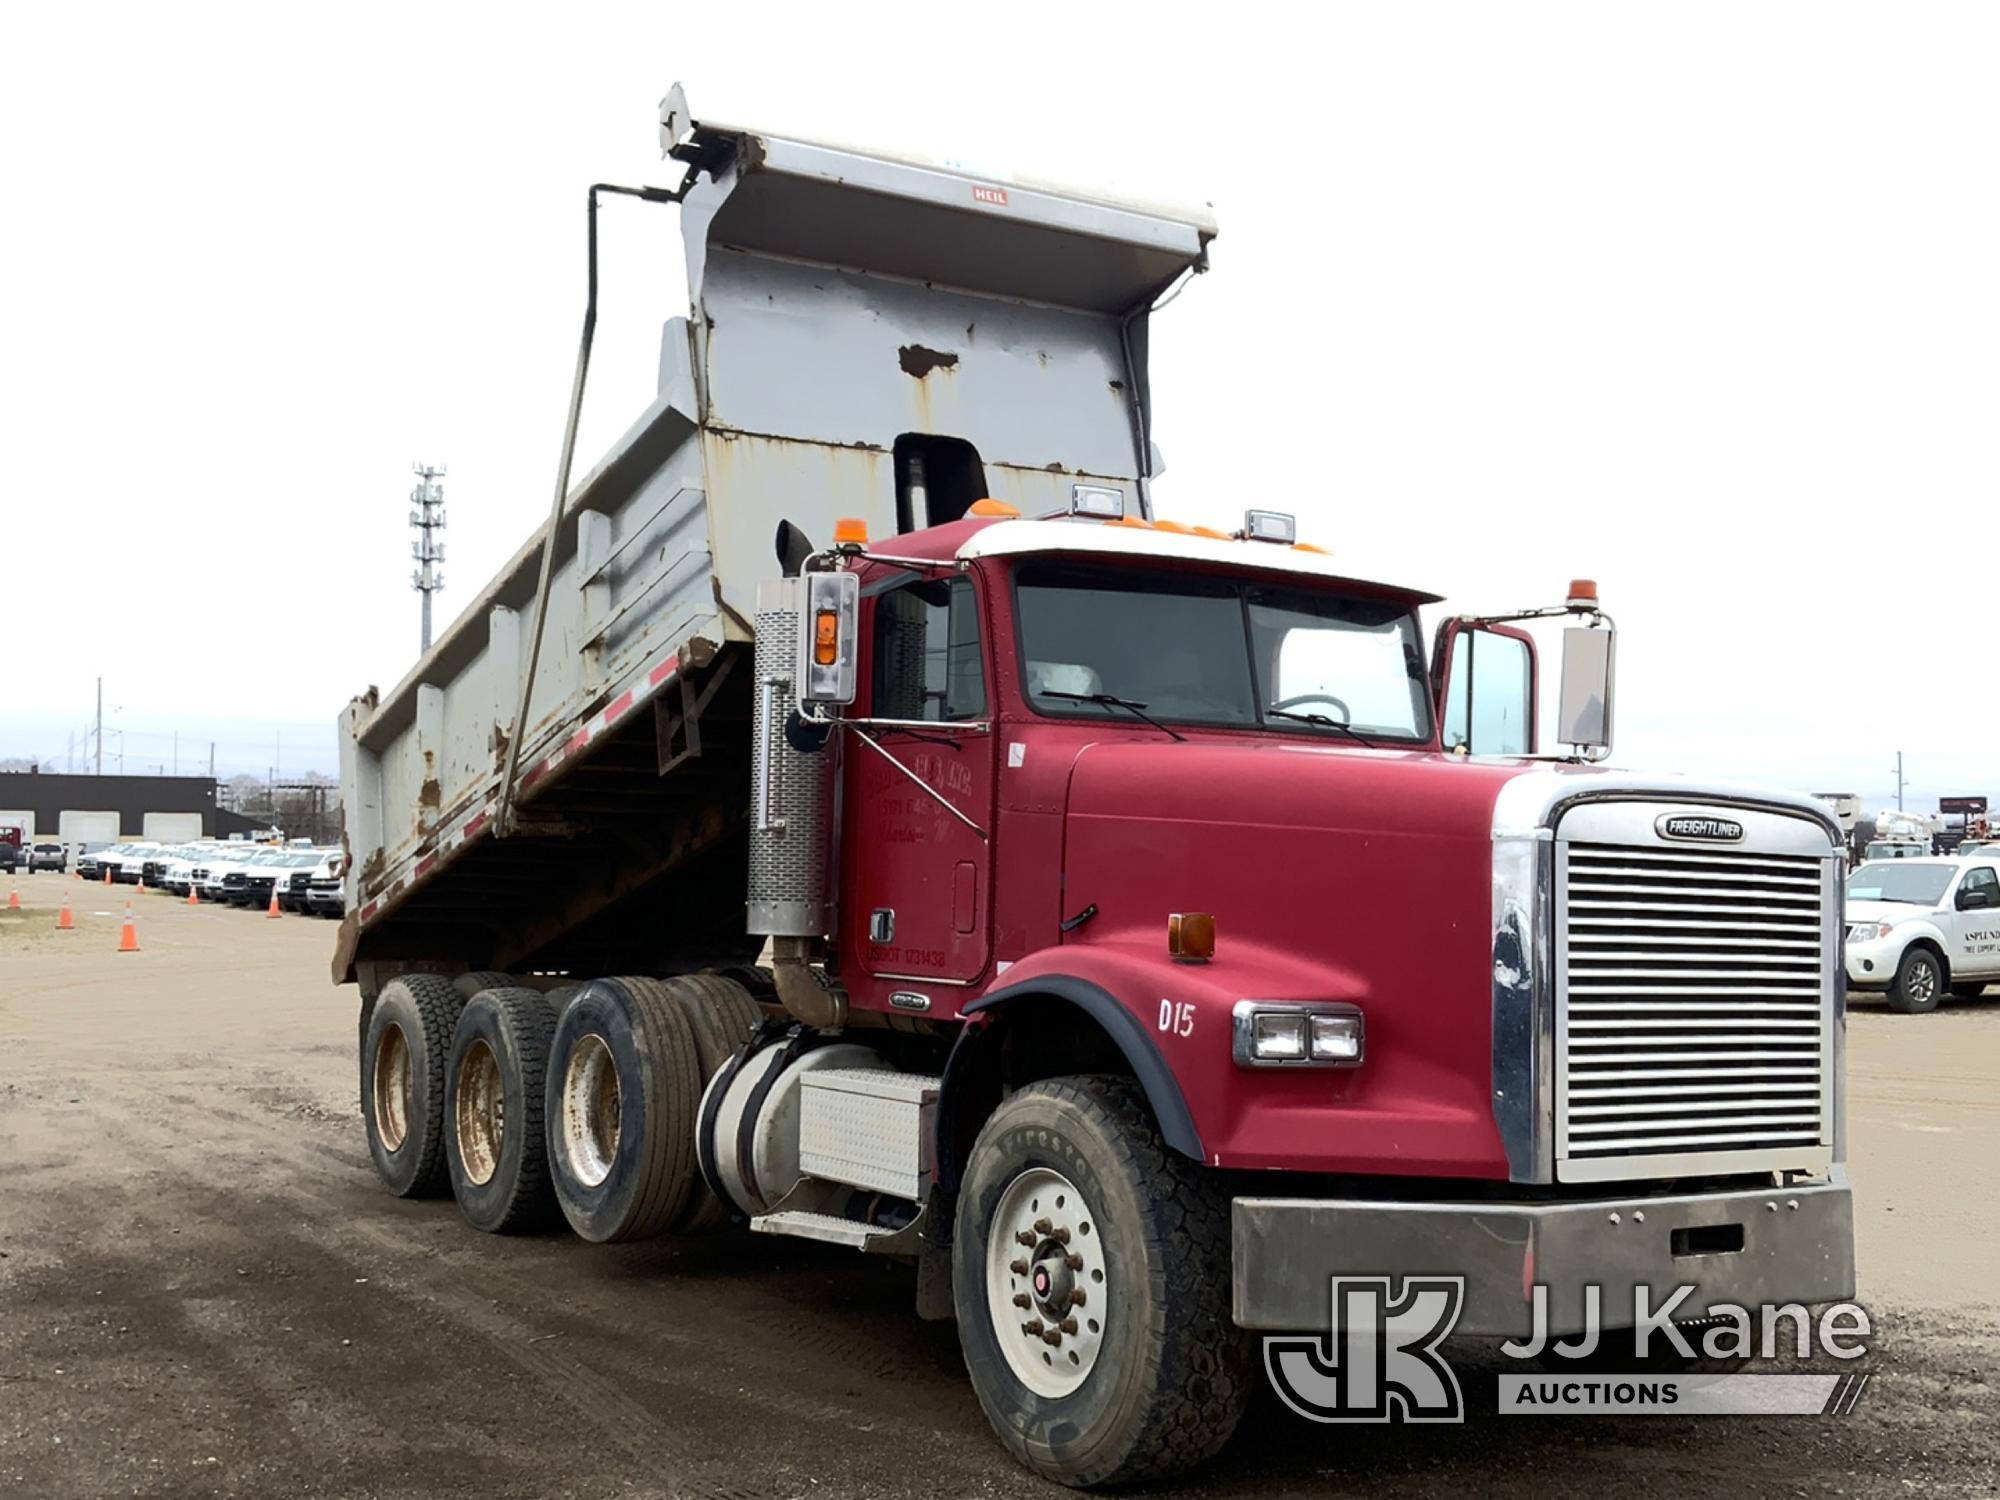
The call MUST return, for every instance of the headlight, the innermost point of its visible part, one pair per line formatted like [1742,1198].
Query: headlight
[1278,1034]
[1868,932]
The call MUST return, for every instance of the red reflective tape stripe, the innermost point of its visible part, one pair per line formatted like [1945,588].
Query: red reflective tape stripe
[478,822]
[535,774]
[576,742]
[426,865]
[662,672]
[617,710]
[369,910]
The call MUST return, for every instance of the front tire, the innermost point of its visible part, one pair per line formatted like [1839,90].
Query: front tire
[1920,982]
[1069,1188]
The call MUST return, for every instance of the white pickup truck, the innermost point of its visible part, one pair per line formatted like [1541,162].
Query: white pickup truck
[1917,927]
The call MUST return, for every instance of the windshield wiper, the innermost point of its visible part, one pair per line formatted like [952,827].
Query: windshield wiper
[1323,721]
[1111,700]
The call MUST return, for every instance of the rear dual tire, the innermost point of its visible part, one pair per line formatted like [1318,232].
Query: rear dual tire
[628,1063]
[496,1149]
[405,1044]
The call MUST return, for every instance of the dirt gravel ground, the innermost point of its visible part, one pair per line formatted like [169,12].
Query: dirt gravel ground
[204,1292]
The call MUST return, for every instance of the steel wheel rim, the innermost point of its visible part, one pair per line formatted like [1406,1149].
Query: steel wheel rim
[1923,980]
[1045,1282]
[481,1114]
[392,1088]
[591,1104]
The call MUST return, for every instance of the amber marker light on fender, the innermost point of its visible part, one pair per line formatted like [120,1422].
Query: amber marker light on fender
[1191,936]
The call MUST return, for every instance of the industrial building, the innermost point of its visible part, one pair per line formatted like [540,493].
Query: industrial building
[97,809]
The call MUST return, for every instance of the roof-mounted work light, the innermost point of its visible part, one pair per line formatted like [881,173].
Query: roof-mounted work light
[1100,502]
[1269,526]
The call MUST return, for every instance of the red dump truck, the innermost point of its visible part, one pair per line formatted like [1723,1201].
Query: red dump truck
[858,815]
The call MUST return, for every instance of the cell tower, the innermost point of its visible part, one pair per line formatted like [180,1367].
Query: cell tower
[427,516]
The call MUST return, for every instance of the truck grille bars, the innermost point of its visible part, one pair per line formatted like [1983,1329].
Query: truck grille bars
[1694,1011]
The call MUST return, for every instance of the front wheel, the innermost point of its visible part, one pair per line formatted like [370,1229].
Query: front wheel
[1092,1288]
[1919,983]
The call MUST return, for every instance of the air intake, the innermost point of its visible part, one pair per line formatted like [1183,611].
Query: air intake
[791,793]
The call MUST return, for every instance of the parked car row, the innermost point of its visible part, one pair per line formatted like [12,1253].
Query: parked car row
[302,878]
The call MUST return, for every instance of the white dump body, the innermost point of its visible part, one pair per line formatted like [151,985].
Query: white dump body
[870,337]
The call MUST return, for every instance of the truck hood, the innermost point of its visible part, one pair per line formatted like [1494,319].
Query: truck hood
[1334,874]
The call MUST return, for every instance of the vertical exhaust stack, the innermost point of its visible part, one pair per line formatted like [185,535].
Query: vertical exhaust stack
[791,821]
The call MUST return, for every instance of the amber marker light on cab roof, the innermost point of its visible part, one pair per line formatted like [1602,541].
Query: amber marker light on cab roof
[1583,593]
[1191,936]
[850,531]
[992,508]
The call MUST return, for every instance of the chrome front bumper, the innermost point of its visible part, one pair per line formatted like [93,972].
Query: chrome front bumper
[1790,1245]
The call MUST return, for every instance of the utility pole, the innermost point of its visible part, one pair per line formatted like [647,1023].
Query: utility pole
[100,726]
[427,517]
[1900,783]
[211,760]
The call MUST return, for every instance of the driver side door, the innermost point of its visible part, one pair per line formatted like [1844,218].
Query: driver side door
[917,878]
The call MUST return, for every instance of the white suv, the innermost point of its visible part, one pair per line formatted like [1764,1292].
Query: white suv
[1920,927]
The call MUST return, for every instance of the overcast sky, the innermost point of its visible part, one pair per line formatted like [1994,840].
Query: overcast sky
[1700,300]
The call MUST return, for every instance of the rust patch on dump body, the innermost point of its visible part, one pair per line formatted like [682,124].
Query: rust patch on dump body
[919,361]
[430,794]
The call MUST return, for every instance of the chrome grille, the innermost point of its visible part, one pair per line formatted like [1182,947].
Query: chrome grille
[1694,1015]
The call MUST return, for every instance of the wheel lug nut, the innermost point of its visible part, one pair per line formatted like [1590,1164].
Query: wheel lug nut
[1020,1299]
[1018,1267]
[1024,1238]
[1033,1328]
[1043,1226]
[1052,1338]
[1074,1262]
[1061,1236]
[1068,1325]
[1077,1297]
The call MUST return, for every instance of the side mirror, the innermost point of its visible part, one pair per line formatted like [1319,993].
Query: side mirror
[1974,900]
[1583,716]
[1487,706]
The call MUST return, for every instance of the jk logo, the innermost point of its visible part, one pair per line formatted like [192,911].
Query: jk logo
[1379,1359]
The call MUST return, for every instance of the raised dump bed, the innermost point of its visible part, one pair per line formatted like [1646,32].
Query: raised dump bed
[869,337]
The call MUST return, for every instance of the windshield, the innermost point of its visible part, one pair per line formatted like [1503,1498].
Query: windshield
[1912,881]
[1220,651]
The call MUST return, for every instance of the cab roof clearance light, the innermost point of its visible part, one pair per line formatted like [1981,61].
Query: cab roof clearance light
[1292,1034]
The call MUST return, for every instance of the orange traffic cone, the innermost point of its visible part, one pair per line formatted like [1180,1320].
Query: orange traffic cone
[274,912]
[64,921]
[194,893]
[128,936]
[107,874]
[14,899]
